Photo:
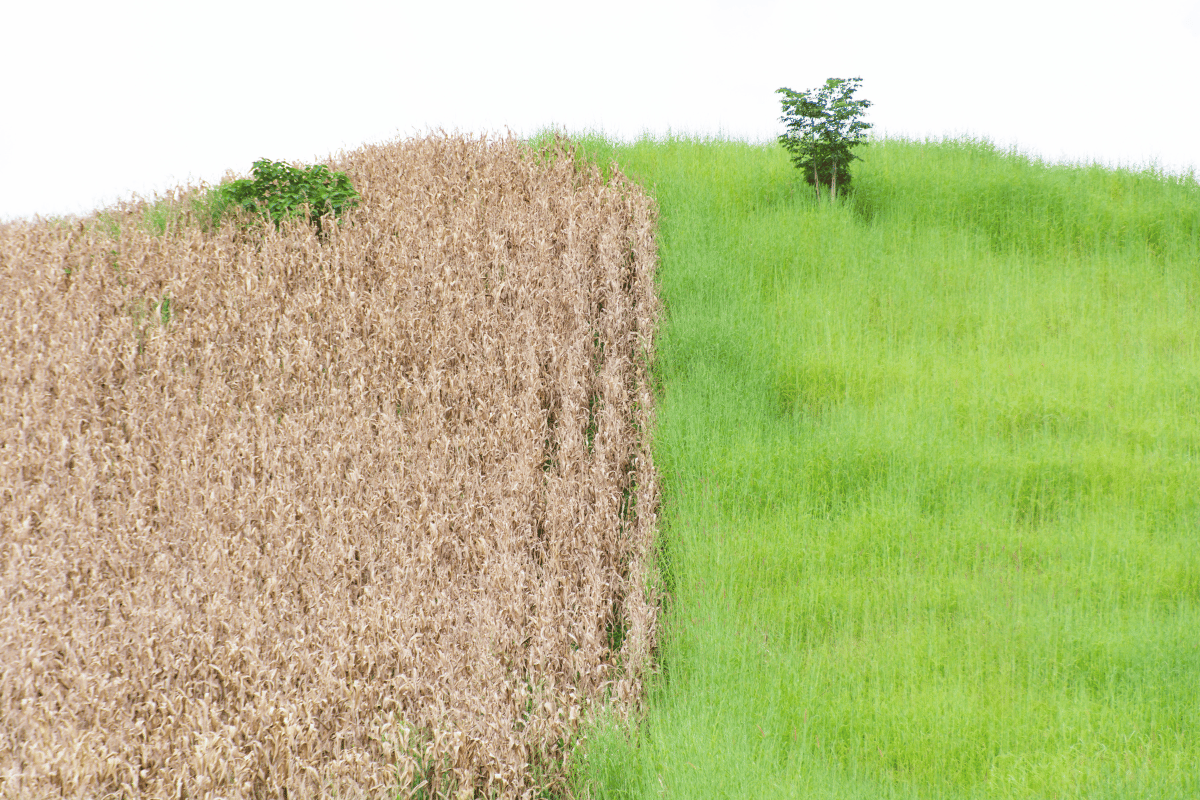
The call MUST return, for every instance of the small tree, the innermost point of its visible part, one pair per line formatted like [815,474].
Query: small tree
[279,191]
[822,127]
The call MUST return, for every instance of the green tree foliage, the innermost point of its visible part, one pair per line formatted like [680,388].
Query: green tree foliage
[279,191]
[822,128]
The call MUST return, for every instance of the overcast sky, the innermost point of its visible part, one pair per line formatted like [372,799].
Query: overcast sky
[104,100]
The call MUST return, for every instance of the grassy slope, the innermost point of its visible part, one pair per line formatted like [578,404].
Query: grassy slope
[930,470]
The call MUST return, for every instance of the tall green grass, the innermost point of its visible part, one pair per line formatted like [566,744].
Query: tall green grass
[931,460]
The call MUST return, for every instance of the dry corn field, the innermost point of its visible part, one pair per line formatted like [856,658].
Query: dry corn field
[364,515]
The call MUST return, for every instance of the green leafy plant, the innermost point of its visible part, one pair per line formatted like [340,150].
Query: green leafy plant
[278,192]
[822,128]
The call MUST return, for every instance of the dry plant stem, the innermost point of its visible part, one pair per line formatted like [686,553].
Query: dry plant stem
[345,514]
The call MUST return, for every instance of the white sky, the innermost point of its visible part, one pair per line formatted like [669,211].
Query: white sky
[104,100]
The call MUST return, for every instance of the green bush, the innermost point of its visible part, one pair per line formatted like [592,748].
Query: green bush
[278,192]
[822,128]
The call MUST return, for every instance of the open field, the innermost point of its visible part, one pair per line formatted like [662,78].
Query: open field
[930,465]
[928,459]
[283,516]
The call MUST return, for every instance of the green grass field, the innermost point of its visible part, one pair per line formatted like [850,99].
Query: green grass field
[931,488]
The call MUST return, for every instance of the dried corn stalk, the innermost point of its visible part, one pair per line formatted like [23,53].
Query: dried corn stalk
[350,515]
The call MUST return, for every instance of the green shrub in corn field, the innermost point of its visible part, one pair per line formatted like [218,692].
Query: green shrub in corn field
[278,192]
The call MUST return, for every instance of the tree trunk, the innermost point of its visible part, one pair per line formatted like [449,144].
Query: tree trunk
[833,190]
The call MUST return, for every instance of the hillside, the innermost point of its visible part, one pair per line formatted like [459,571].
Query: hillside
[631,471]
[929,461]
